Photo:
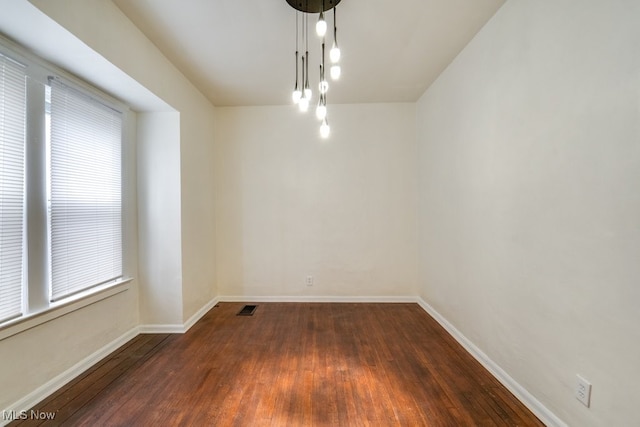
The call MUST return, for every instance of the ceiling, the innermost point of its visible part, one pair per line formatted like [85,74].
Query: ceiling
[242,52]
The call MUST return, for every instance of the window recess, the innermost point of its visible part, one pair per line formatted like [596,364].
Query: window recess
[61,189]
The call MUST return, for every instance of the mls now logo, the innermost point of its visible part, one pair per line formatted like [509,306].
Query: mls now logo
[27,415]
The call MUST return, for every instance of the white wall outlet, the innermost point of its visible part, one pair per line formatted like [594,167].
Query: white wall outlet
[583,391]
[309,281]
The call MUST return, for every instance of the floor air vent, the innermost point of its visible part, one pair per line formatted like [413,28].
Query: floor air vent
[247,310]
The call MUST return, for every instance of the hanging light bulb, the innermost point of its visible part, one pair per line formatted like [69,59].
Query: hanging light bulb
[323,86]
[321,112]
[321,26]
[324,128]
[335,72]
[308,93]
[334,53]
[321,109]
[297,95]
[303,104]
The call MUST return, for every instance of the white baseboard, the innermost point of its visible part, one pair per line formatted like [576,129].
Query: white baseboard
[198,314]
[374,299]
[527,399]
[162,329]
[51,386]
[178,328]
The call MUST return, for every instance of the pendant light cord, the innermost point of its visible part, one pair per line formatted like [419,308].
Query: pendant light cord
[306,37]
[297,41]
[335,25]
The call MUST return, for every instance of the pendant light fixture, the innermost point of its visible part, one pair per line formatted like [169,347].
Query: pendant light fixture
[323,86]
[303,104]
[307,88]
[321,25]
[302,92]
[334,54]
[321,109]
[297,93]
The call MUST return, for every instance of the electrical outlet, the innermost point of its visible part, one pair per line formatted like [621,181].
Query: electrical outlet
[309,281]
[583,391]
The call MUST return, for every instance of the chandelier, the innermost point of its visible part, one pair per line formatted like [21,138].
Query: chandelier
[302,92]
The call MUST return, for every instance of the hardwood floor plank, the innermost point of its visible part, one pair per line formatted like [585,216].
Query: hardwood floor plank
[75,395]
[315,364]
[76,386]
[89,404]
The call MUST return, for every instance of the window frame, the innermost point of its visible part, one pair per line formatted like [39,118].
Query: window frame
[15,88]
[38,307]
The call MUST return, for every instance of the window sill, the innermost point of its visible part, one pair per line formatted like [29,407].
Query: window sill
[62,307]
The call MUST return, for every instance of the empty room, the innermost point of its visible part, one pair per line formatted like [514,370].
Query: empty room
[319,213]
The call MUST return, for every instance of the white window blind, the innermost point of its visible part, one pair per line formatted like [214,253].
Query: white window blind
[12,185]
[85,192]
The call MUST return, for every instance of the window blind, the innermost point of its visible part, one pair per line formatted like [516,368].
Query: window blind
[12,186]
[85,208]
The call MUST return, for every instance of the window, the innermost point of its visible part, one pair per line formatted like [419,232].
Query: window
[85,211]
[12,177]
[60,188]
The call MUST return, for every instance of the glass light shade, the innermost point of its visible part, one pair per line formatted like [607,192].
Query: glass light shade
[308,94]
[325,129]
[321,112]
[334,53]
[335,72]
[321,26]
[297,94]
[323,86]
[304,104]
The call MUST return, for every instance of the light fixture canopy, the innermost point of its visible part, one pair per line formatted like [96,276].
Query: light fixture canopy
[313,6]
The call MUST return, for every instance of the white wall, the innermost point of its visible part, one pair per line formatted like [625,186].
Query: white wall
[159,231]
[197,217]
[530,162]
[290,204]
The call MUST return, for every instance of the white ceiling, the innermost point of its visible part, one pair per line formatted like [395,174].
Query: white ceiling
[242,52]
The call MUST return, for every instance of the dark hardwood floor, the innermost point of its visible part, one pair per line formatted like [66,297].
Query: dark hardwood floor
[291,364]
